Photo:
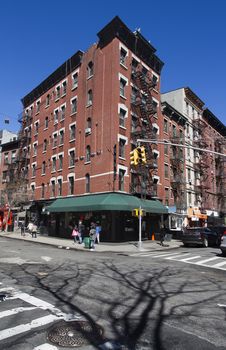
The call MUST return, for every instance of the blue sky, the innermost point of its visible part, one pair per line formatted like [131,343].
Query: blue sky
[38,36]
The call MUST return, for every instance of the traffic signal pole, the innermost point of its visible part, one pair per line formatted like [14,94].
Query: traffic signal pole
[140,230]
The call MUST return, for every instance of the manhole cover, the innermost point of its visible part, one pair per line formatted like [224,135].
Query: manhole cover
[75,333]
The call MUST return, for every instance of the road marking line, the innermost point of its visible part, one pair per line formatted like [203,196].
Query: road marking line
[165,254]
[191,258]
[38,322]
[219,264]
[45,347]
[15,311]
[176,256]
[206,260]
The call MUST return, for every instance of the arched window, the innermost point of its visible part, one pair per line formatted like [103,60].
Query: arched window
[90,98]
[90,69]
[88,153]
[89,123]
[43,168]
[87,183]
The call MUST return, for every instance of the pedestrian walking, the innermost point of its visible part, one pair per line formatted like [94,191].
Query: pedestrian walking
[92,235]
[81,230]
[22,229]
[75,234]
[98,231]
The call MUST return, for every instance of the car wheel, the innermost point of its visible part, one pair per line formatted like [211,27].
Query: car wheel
[205,242]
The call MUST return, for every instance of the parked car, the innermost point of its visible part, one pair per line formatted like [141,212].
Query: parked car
[201,236]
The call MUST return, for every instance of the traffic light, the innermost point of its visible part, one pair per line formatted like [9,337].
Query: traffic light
[134,159]
[141,155]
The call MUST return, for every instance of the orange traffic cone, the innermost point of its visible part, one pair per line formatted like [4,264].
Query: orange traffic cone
[153,236]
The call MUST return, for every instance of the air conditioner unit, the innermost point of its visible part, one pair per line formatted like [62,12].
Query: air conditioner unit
[88,131]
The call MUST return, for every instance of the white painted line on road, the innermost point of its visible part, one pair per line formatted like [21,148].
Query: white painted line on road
[15,311]
[22,328]
[206,260]
[176,256]
[169,255]
[219,264]
[45,347]
[34,301]
[221,305]
[191,258]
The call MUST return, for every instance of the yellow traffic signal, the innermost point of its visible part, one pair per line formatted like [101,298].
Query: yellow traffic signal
[142,155]
[134,160]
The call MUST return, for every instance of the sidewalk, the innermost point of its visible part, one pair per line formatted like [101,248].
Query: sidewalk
[122,247]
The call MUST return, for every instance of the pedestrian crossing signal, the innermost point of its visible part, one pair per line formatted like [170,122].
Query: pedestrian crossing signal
[134,160]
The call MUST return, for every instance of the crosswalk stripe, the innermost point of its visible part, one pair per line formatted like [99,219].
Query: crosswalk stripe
[190,258]
[22,328]
[45,347]
[206,260]
[15,311]
[220,264]
[176,256]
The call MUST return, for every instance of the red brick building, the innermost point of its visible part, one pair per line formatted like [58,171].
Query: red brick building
[85,118]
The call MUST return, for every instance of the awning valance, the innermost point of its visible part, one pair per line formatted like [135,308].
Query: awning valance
[105,201]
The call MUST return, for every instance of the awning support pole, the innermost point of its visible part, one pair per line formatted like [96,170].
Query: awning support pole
[140,226]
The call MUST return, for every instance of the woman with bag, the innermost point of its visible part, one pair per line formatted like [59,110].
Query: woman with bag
[75,234]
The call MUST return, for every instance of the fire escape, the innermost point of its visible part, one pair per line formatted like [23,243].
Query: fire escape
[143,182]
[19,168]
[201,163]
[177,178]
[220,167]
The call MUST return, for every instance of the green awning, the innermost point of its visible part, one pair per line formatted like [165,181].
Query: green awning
[106,201]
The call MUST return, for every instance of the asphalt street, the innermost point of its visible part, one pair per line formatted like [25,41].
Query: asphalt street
[163,300]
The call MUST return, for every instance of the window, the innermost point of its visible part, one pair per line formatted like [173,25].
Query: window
[74,80]
[43,168]
[193,112]
[72,132]
[56,116]
[71,158]
[46,123]
[123,55]
[181,154]
[134,65]
[187,108]
[90,70]
[121,179]
[122,87]
[53,164]
[87,182]
[35,147]
[57,92]
[122,116]
[64,88]
[4,175]
[144,71]
[155,106]
[133,95]
[89,123]
[61,137]
[36,128]
[133,124]
[71,185]
[189,175]
[154,80]
[88,153]
[53,188]
[55,140]
[167,196]
[166,170]
[45,145]
[189,198]
[59,187]
[33,189]
[181,135]
[13,156]
[89,98]
[122,144]
[74,106]
[174,131]
[43,191]
[62,112]
[165,126]
[60,162]
[166,149]
[38,105]
[47,100]
[33,170]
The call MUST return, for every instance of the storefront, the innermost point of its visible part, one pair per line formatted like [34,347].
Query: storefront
[196,218]
[113,211]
